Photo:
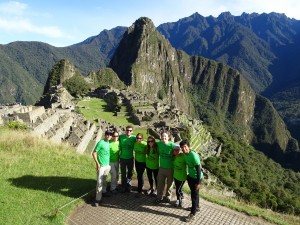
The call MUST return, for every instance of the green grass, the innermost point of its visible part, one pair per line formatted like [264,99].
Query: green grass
[251,210]
[38,176]
[96,110]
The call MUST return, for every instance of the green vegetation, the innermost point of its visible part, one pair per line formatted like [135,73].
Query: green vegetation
[38,176]
[76,85]
[255,178]
[250,209]
[16,125]
[95,108]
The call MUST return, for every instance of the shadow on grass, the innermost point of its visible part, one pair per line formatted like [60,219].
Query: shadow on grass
[68,186]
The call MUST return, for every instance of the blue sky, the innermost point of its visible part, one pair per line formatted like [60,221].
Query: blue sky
[66,22]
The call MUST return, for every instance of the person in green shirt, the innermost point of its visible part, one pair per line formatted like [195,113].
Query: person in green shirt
[114,162]
[165,171]
[126,142]
[152,164]
[194,177]
[101,155]
[139,149]
[180,174]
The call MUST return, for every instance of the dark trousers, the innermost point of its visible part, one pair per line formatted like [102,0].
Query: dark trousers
[179,184]
[140,169]
[126,178]
[150,174]
[194,194]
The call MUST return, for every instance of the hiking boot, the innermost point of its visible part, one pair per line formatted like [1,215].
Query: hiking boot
[106,194]
[177,203]
[189,218]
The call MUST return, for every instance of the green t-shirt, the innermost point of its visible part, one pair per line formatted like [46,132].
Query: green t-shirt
[103,153]
[180,172]
[114,151]
[165,152]
[152,160]
[126,146]
[192,160]
[140,151]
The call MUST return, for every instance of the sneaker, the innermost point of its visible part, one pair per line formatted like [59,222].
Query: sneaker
[180,203]
[114,192]
[177,203]
[139,194]
[158,201]
[150,191]
[96,203]
[167,200]
[106,194]
[154,193]
[190,208]
[190,217]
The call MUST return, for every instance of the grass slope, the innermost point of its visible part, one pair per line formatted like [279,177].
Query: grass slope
[38,177]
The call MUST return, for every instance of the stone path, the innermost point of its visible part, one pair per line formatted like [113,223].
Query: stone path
[128,209]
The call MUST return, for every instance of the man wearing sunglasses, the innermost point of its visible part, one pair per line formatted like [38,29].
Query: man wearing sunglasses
[126,143]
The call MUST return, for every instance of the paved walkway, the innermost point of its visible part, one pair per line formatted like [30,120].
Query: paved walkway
[128,209]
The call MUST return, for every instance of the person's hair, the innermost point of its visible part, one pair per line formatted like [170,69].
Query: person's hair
[139,134]
[129,126]
[154,146]
[184,142]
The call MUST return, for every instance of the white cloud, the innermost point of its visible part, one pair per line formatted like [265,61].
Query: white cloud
[16,17]
[13,8]
[24,25]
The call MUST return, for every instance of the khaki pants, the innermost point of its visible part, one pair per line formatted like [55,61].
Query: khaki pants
[101,181]
[163,176]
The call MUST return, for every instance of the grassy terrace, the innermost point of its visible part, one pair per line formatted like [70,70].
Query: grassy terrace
[95,108]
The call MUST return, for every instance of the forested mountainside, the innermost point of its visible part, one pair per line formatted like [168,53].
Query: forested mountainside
[211,91]
[25,66]
[263,47]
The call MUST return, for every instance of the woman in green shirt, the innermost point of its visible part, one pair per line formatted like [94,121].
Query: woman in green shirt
[180,174]
[139,149]
[152,164]
[114,162]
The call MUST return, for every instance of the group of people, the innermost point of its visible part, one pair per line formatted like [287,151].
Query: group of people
[165,163]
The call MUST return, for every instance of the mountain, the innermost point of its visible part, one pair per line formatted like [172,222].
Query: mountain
[263,47]
[146,62]
[25,66]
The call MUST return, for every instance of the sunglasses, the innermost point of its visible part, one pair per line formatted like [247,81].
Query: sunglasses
[116,136]
[150,141]
[129,130]
[139,138]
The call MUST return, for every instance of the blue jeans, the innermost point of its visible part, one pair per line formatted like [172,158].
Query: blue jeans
[126,164]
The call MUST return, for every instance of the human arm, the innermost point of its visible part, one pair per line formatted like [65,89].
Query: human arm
[96,160]
[198,178]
